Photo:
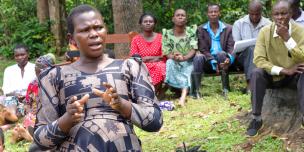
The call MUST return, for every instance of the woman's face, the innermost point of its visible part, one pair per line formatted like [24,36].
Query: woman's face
[21,56]
[89,34]
[180,17]
[148,23]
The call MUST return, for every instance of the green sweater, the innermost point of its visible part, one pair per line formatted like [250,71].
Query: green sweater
[271,51]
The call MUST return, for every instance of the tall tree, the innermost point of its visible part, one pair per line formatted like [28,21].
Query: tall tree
[57,17]
[42,10]
[126,14]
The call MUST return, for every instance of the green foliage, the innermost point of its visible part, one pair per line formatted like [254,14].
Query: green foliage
[196,10]
[19,24]
[3,64]
[104,6]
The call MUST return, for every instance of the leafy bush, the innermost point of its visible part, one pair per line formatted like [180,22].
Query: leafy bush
[19,24]
[104,6]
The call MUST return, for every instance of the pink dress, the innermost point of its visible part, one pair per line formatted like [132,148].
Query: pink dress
[144,48]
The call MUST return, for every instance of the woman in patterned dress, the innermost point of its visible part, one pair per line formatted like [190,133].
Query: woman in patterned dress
[179,44]
[148,45]
[92,104]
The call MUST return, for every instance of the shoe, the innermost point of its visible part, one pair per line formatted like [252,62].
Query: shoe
[254,127]
[245,91]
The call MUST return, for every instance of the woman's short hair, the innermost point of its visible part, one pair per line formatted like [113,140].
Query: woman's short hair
[147,14]
[77,11]
[19,46]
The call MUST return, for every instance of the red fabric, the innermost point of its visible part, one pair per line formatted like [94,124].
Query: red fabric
[32,90]
[30,99]
[144,48]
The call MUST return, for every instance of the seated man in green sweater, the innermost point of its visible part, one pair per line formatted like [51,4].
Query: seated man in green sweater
[279,57]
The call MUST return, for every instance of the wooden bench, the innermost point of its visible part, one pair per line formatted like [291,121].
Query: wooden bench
[72,55]
[120,38]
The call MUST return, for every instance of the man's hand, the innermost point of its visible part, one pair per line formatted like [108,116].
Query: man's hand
[282,31]
[110,96]
[225,65]
[297,69]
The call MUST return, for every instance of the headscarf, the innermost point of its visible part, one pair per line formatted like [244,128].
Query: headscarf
[45,61]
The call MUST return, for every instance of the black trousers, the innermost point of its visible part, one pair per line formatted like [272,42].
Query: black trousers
[200,64]
[261,80]
[245,58]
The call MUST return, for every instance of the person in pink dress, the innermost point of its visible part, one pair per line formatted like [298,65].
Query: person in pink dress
[148,45]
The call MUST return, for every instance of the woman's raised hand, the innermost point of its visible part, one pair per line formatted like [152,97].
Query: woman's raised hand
[110,96]
[75,108]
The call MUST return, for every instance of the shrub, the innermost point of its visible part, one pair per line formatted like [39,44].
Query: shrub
[19,24]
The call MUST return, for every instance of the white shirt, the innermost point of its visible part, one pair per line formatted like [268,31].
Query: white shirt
[301,18]
[243,29]
[13,81]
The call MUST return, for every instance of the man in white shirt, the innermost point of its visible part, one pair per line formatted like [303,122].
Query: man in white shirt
[247,28]
[18,76]
[297,12]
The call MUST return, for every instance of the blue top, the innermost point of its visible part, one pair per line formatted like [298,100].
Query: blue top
[216,42]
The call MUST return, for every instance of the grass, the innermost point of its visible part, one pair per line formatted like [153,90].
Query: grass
[208,123]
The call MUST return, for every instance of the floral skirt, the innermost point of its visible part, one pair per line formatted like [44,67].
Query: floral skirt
[178,74]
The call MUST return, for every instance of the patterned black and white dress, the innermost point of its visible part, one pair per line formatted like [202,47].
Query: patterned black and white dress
[102,128]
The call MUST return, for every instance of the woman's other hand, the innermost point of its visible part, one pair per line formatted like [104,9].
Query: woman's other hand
[111,97]
[74,113]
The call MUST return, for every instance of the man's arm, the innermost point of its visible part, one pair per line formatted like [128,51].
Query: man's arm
[230,45]
[295,49]
[295,45]
[236,31]
[203,44]
[260,57]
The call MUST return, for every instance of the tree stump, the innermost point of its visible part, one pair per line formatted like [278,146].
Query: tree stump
[281,118]
[281,111]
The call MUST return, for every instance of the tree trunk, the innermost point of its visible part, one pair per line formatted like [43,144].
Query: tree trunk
[126,14]
[57,17]
[269,5]
[42,10]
